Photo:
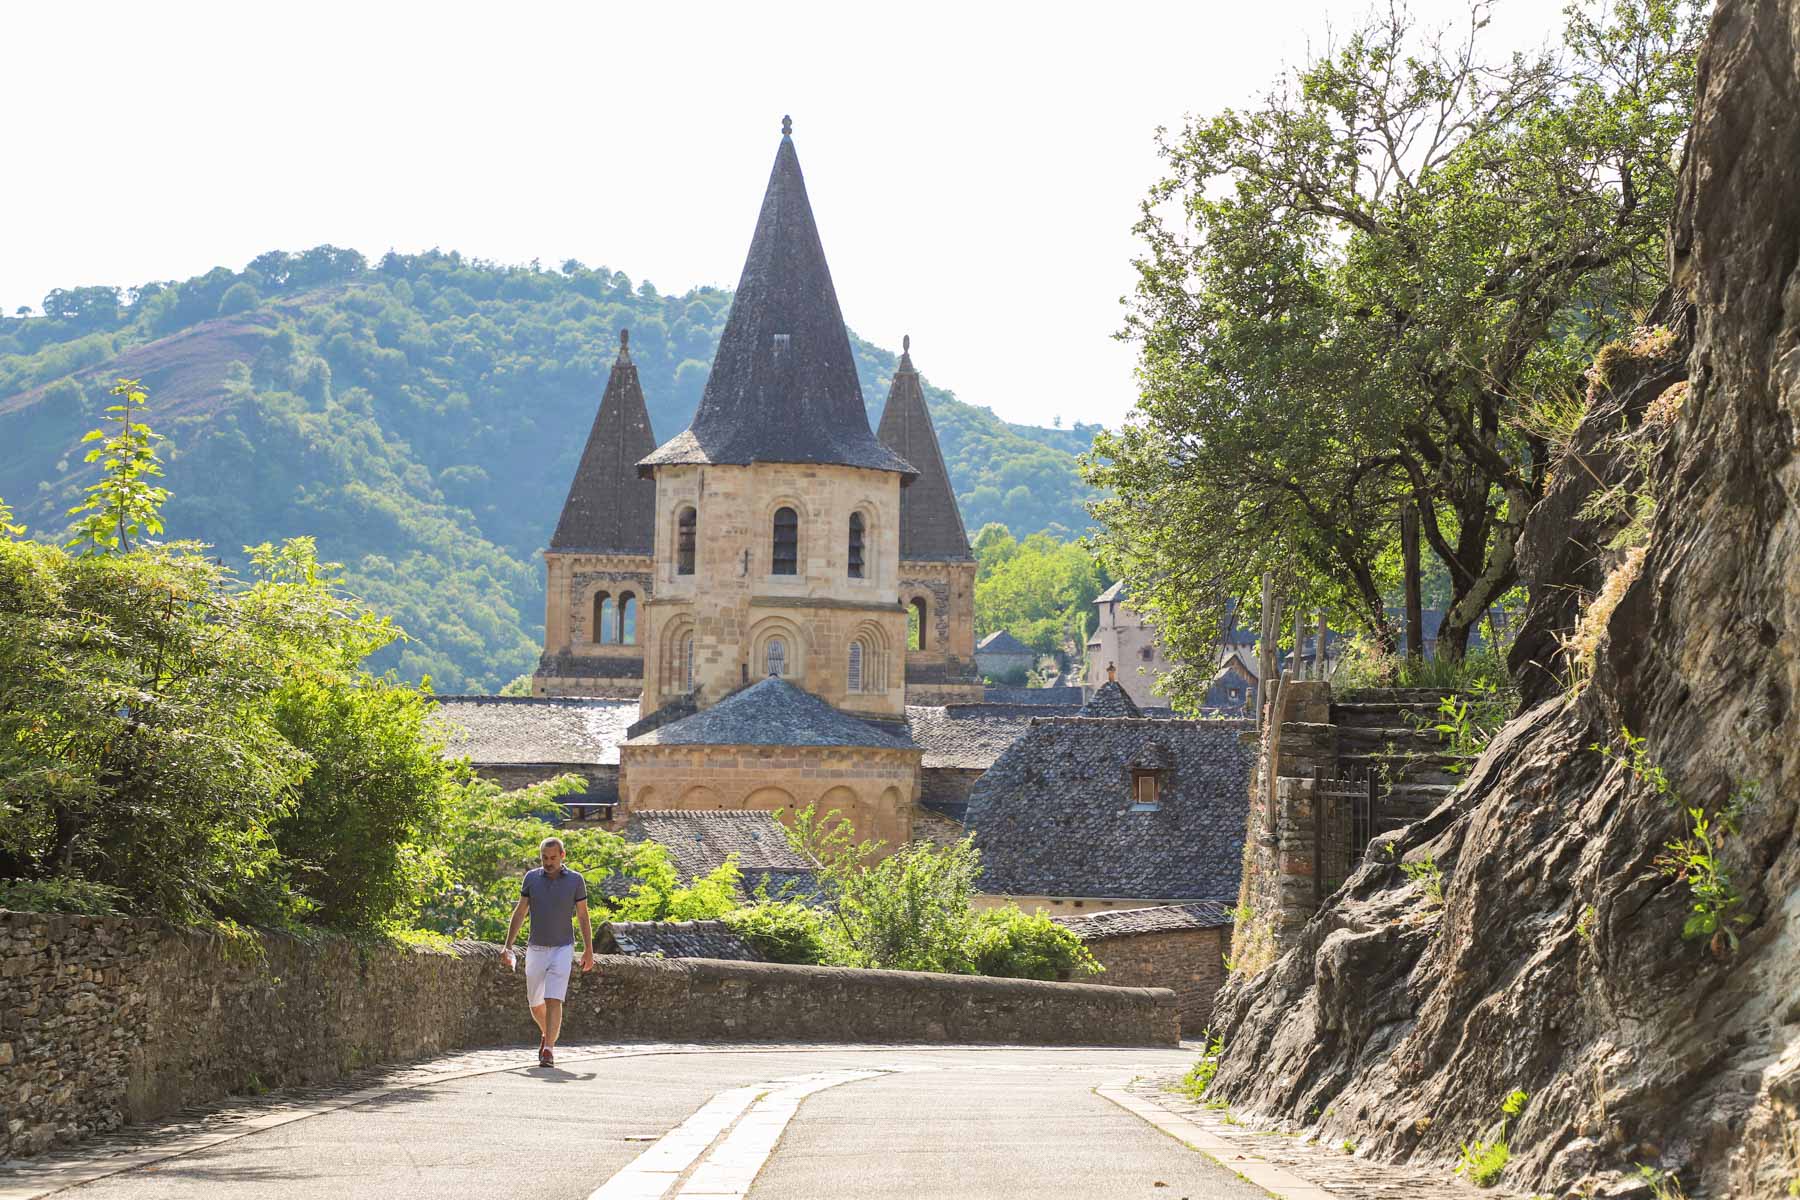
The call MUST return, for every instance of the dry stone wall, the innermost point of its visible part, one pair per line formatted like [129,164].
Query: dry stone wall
[105,1021]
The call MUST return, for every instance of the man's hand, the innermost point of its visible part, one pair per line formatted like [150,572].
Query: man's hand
[587,961]
[507,957]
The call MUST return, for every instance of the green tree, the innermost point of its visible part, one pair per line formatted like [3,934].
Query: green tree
[1039,590]
[1352,290]
[914,910]
[123,504]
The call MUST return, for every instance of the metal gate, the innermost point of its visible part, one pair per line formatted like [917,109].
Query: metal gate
[1344,812]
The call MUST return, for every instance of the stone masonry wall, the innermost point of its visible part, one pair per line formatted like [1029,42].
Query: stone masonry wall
[1189,962]
[105,1021]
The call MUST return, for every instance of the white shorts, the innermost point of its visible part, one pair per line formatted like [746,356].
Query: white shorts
[547,972]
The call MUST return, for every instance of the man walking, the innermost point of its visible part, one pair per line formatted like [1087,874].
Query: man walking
[552,894]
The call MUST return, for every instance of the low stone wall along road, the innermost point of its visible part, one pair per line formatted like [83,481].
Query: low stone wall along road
[645,1122]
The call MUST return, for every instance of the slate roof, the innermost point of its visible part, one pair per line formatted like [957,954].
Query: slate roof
[675,939]
[1052,817]
[1001,642]
[1044,697]
[1110,700]
[773,713]
[783,386]
[1116,592]
[610,508]
[501,730]
[699,843]
[1163,918]
[931,527]
[967,736]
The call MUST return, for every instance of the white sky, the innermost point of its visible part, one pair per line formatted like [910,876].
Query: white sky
[975,168]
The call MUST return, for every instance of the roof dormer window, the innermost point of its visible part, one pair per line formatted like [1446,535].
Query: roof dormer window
[1146,791]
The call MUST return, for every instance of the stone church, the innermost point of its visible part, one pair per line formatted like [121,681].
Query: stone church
[776,583]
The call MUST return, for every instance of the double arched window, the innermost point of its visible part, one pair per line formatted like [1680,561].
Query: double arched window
[776,656]
[685,523]
[786,556]
[856,546]
[615,618]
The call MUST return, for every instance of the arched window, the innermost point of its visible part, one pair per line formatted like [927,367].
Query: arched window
[787,542]
[918,623]
[684,542]
[777,656]
[687,660]
[855,682]
[605,618]
[628,618]
[856,546]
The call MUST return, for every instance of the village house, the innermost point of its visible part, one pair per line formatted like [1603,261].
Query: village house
[1000,656]
[1110,809]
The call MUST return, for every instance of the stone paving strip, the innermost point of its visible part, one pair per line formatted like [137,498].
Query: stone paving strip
[1288,1166]
[731,1168]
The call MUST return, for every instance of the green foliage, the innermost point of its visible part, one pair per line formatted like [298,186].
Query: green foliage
[1692,858]
[1199,1077]
[1483,1160]
[1482,1163]
[1018,945]
[1349,289]
[351,842]
[488,838]
[421,416]
[783,931]
[1468,721]
[8,529]
[1666,1185]
[1429,876]
[161,720]
[1039,590]
[123,504]
[62,894]
[519,686]
[913,910]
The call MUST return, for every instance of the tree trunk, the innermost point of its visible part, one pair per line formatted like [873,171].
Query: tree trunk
[1409,555]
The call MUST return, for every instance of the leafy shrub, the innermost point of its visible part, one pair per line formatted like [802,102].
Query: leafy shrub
[1199,1077]
[783,931]
[1019,945]
[62,894]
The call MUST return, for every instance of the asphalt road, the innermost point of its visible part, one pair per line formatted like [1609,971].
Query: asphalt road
[870,1124]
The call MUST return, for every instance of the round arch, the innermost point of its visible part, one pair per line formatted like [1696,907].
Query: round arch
[793,648]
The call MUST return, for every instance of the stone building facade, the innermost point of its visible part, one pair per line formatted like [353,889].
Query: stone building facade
[1178,946]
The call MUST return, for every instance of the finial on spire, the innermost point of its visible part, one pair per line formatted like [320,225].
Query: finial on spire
[906,343]
[1112,673]
[787,126]
[625,344]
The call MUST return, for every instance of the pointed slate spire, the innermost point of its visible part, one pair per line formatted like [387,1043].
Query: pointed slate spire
[783,386]
[611,509]
[931,527]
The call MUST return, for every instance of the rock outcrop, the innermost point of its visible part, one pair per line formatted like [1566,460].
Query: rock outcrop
[1561,960]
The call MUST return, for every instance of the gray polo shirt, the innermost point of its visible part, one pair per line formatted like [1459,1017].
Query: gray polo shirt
[553,904]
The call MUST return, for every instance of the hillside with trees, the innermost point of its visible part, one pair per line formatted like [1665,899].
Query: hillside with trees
[420,417]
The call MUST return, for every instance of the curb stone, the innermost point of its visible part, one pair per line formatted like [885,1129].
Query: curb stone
[1285,1165]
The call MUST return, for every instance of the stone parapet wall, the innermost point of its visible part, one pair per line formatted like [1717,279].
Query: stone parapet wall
[105,1021]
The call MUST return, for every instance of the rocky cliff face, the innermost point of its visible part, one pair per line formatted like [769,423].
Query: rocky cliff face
[1556,962]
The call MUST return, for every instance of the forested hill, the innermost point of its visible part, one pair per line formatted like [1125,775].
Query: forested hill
[421,416]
